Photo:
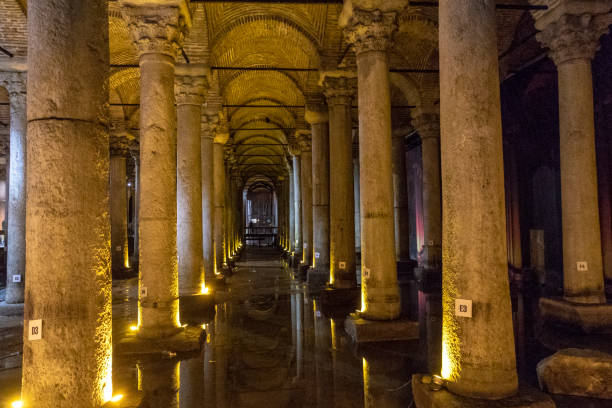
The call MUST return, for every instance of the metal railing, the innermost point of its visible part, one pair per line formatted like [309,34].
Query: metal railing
[260,236]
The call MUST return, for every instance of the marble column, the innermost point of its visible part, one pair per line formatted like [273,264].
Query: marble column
[573,40]
[221,137]
[370,33]
[291,204]
[119,150]
[135,155]
[306,196]
[318,118]
[400,198]
[68,287]
[209,124]
[157,30]
[478,358]
[340,91]
[427,125]
[357,195]
[189,87]
[295,151]
[15,84]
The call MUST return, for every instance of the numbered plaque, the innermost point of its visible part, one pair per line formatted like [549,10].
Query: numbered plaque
[582,266]
[463,308]
[317,255]
[342,265]
[16,278]
[366,273]
[35,330]
[143,292]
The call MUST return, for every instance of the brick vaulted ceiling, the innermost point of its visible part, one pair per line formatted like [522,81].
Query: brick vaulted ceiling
[265,35]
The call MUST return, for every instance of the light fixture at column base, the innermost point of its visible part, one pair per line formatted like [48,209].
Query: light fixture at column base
[425,397]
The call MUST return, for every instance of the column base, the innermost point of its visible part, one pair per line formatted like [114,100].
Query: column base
[195,309]
[295,259]
[186,340]
[588,317]
[11,309]
[317,278]
[369,331]
[424,397]
[580,372]
[345,297]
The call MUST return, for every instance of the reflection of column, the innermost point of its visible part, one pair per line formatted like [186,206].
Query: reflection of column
[299,328]
[191,381]
[208,204]
[221,138]
[209,370]
[323,363]
[118,204]
[158,263]
[319,122]
[340,92]
[428,126]
[160,384]
[220,340]
[15,84]
[376,385]
[370,33]
[67,204]
[190,85]
[573,40]
[478,357]
[400,197]
[306,195]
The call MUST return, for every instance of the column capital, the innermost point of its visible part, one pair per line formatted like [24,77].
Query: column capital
[316,114]
[15,84]
[340,87]
[427,124]
[222,132]
[209,125]
[370,30]
[294,148]
[571,29]
[120,144]
[304,140]
[157,27]
[190,84]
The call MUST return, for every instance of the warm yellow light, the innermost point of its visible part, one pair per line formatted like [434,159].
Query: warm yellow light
[117,398]
[447,366]
[205,290]
[133,328]
[17,404]
[332,324]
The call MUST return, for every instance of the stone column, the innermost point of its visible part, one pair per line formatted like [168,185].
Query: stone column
[209,124]
[370,33]
[340,90]
[221,137]
[157,30]
[295,151]
[357,194]
[400,200]
[573,40]
[427,125]
[68,255]
[190,86]
[477,352]
[318,118]
[136,157]
[306,196]
[119,149]
[291,203]
[15,84]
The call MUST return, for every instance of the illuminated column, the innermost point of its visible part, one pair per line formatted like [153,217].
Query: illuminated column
[68,254]
[291,204]
[306,195]
[136,157]
[370,32]
[189,87]
[319,122]
[573,40]
[339,91]
[160,383]
[478,352]
[118,203]
[357,195]
[15,84]
[221,137]
[209,124]
[295,151]
[400,199]
[428,126]
[157,30]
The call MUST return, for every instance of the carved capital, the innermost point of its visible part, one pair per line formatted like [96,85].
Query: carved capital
[156,28]
[120,145]
[209,125]
[574,36]
[427,124]
[15,84]
[370,30]
[190,85]
[340,90]
[222,133]
[304,140]
[316,114]
[294,149]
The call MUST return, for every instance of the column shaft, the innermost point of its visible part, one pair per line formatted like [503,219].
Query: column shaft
[478,357]
[67,211]
[400,199]
[219,187]
[320,200]
[306,195]
[208,203]
[297,203]
[291,231]
[118,213]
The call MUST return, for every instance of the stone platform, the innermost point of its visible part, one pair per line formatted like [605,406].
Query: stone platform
[369,331]
[188,340]
[424,397]
[589,318]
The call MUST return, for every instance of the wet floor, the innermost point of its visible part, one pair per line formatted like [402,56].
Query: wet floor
[269,344]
